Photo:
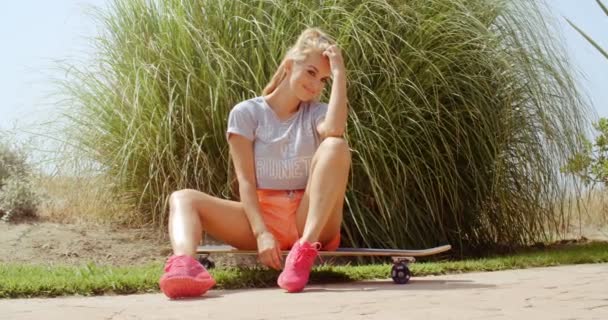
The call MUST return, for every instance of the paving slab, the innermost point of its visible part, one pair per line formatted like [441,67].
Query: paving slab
[565,292]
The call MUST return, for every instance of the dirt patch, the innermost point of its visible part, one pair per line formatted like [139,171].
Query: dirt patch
[50,243]
[74,244]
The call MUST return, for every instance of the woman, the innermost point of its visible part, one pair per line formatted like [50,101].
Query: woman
[292,165]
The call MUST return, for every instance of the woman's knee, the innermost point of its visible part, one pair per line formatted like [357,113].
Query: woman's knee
[183,197]
[338,146]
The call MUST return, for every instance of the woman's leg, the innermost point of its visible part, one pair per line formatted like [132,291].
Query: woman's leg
[319,216]
[193,211]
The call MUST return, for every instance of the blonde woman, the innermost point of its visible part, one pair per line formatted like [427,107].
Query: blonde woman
[292,165]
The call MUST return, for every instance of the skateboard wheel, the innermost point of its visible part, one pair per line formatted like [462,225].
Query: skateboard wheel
[206,262]
[400,273]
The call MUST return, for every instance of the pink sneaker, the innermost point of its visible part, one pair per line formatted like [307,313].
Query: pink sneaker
[298,265]
[185,277]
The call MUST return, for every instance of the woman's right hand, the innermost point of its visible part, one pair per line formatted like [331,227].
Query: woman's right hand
[269,251]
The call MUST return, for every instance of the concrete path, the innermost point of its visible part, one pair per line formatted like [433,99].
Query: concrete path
[569,292]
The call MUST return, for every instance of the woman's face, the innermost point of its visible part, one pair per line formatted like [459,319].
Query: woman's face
[307,78]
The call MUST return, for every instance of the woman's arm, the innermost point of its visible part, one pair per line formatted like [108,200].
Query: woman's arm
[241,151]
[334,123]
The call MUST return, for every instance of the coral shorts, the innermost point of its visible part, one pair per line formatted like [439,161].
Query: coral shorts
[279,209]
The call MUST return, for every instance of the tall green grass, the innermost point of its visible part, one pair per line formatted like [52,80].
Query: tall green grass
[462,111]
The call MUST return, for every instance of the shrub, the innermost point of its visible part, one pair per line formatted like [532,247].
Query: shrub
[18,198]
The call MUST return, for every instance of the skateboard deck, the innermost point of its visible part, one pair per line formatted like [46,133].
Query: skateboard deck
[340,252]
[400,271]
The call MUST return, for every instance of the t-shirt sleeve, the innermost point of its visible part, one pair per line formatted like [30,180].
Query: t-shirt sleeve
[319,112]
[241,121]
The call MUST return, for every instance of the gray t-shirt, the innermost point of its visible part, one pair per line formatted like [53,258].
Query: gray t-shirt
[283,150]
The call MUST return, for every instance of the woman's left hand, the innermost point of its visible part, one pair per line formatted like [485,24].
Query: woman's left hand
[336,62]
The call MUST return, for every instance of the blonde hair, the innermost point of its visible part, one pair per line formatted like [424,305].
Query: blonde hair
[310,40]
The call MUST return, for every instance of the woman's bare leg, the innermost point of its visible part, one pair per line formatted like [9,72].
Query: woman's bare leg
[319,216]
[193,211]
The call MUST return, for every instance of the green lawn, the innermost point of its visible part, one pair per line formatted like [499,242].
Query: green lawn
[19,280]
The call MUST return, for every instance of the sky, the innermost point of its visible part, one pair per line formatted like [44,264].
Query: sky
[37,34]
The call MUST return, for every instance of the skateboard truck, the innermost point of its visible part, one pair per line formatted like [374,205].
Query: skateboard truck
[206,262]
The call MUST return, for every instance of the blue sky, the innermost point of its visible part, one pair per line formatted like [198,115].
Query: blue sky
[36,34]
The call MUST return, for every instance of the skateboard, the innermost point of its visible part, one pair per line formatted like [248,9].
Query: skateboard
[400,271]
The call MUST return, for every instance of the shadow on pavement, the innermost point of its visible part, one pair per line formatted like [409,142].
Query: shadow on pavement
[388,285]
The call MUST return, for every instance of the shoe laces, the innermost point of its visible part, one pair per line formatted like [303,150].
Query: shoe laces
[307,254]
[176,262]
